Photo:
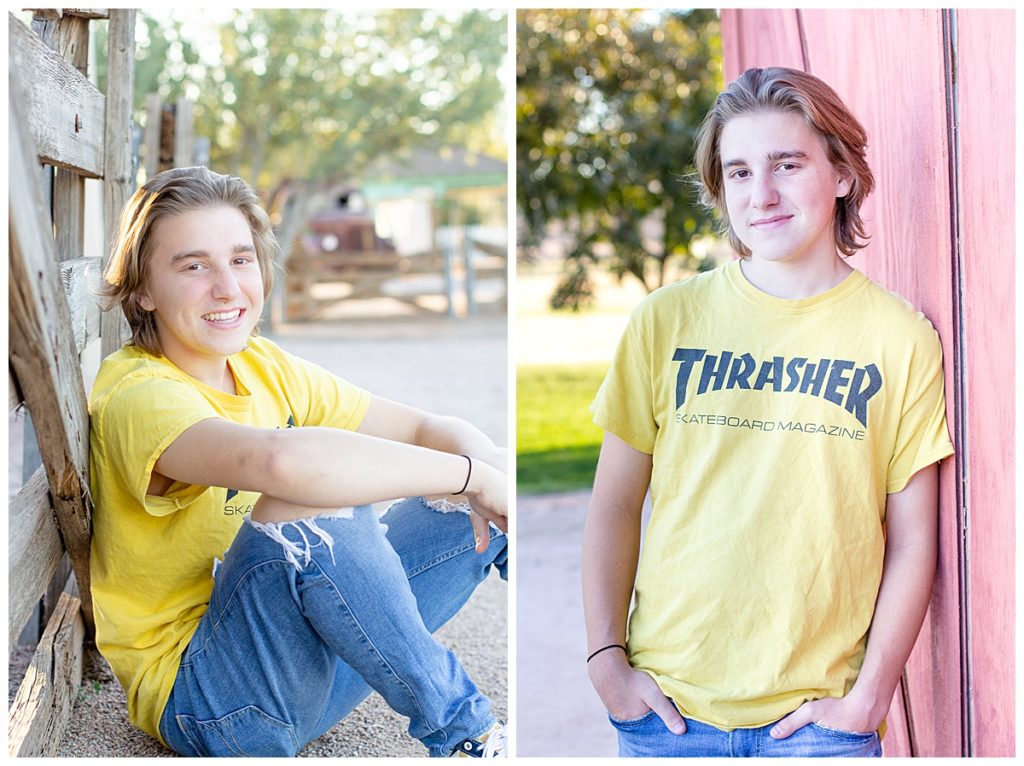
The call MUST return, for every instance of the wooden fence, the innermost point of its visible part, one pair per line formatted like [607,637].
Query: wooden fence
[62,130]
[329,256]
[935,91]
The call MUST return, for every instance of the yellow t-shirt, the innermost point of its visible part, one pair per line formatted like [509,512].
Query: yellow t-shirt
[153,557]
[777,428]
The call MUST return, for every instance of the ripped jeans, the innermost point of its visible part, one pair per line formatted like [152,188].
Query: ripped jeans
[301,628]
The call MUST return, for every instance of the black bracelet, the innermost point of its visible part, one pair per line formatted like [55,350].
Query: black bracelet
[468,474]
[610,646]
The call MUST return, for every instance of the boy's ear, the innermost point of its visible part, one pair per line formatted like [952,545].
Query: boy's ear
[844,186]
[144,301]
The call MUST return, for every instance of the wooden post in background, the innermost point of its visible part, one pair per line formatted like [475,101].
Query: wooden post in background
[118,179]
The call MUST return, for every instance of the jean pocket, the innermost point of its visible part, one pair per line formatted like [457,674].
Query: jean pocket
[246,732]
[631,723]
[861,735]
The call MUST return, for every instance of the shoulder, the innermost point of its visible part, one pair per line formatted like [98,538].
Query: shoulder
[897,318]
[131,381]
[684,295]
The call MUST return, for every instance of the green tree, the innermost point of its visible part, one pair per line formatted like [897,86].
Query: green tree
[608,104]
[166,62]
[314,93]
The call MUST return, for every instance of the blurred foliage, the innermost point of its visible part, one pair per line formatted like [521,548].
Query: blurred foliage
[608,104]
[315,93]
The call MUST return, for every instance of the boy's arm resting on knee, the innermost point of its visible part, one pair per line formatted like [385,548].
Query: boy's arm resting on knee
[324,467]
[611,551]
[908,572]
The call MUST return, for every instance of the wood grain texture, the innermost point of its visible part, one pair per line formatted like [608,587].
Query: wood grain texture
[86,13]
[42,351]
[118,183]
[65,118]
[184,132]
[46,697]
[754,38]
[985,51]
[910,252]
[80,278]
[34,550]
[151,137]
[71,44]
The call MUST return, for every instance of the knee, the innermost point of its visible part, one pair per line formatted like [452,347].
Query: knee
[271,510]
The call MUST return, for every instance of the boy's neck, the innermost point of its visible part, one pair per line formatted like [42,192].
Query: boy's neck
[216,374]
[793,281]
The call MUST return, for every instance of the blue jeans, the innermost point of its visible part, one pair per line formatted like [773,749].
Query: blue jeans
[648,736]
[305,618]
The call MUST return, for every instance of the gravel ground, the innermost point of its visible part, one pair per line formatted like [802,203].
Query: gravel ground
[455,367]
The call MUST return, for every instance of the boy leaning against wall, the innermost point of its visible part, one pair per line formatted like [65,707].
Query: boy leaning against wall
[788,416]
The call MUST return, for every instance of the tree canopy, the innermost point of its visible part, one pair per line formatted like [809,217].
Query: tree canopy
[311,92]
[608,104]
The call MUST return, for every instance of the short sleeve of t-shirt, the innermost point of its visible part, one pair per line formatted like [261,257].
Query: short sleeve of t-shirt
[140,418]
[922,437]
[624,404]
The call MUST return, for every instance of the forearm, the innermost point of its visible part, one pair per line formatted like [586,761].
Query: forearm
[452,434]
[330,467]
[903,598]
[611,540]
[611,549]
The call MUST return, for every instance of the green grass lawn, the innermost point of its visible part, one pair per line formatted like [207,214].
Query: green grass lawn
[556,443]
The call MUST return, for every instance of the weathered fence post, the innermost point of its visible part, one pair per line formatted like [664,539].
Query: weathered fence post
[57,118]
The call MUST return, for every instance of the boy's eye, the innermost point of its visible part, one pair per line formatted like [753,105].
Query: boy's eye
[739,173]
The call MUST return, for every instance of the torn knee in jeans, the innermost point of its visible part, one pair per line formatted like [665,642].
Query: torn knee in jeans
[444,505]
[307,528]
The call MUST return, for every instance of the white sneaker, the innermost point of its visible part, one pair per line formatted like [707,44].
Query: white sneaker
[490,744]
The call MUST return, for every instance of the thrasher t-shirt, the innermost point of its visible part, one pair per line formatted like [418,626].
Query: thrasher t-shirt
[152,556]
[777,428]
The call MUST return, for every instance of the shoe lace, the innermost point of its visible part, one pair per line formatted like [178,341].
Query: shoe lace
[494,746]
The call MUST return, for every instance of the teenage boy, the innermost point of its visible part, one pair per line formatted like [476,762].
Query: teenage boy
[788,415]
[207,438]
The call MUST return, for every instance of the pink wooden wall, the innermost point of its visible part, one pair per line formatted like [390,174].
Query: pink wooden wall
[908,75]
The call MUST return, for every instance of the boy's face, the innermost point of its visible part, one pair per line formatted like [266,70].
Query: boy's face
[780,188]
[204,286]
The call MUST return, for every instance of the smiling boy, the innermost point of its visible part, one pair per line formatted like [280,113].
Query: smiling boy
[788,416]
[246,595]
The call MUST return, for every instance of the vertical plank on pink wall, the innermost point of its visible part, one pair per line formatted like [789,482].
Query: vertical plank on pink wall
[985,48]
[888,67]
[752,38]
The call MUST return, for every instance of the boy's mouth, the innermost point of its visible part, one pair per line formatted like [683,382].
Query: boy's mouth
[224,317]
[768,222]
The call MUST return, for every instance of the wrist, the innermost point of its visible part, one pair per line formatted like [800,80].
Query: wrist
[479,474]
[871,698]
[608,664]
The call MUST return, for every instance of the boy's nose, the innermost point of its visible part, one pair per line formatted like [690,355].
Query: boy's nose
[764,193]
[226,284]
